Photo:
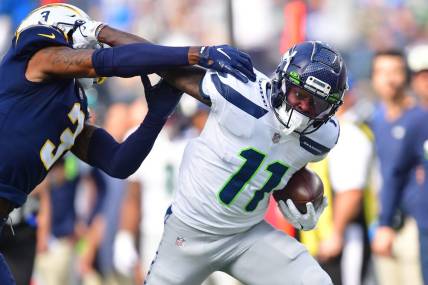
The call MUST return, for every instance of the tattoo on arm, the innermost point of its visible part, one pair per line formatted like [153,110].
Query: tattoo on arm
[60,61]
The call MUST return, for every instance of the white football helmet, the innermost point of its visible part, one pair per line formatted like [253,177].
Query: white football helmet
[63,16]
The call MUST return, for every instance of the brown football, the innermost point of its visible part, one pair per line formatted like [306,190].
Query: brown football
[304,186]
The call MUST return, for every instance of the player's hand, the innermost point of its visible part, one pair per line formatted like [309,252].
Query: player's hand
[85,34]
[125,256]
[383,241]
[227,59]
[301,221]
[161,98]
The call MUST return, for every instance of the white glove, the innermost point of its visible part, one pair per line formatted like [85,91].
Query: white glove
[301,221]
[86,34]
[125,256]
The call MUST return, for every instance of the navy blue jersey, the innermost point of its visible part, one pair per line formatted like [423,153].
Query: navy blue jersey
[39,122]
[389,137]
[412,153]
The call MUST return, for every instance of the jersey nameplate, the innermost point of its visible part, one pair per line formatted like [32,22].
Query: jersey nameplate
[312,146]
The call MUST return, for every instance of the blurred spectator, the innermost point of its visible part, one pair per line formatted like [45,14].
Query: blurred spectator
[412,154]
[18,243]
[256,26]
[340,241]
[96,265]
[56,246]
[395,242]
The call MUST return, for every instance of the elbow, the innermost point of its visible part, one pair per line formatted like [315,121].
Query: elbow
[119,173]
[122,172]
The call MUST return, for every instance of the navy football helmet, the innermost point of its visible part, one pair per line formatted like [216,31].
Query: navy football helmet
[308,86]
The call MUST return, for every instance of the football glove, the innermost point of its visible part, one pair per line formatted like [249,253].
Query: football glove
[301,221]
[161,98]
[125,256]
[85,34]
[227,59]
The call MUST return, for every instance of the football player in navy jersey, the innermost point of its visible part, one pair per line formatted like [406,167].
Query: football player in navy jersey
[43,108]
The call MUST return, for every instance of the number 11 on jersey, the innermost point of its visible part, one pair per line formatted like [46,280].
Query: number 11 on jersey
[237,182]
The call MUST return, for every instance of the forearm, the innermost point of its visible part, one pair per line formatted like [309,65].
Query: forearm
[114,38]
[186,79]
[122,159]
[346,207]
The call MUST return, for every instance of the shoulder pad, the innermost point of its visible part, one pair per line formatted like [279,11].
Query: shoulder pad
[322,140]
[244,96]
[34,38]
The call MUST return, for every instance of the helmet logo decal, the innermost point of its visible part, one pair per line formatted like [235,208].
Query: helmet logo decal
[276,137]
[295,77]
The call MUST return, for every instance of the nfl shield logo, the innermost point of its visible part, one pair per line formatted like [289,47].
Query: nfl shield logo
[276,137]
[179,241]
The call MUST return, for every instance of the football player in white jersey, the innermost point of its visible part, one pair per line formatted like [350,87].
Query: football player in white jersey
[257,135]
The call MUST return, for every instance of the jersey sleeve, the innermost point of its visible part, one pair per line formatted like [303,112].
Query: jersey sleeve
[409,155]
[320,142]
[234,104]
[210,90]
[32,39]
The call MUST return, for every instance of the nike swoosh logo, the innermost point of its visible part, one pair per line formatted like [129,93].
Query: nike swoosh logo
[225,54]
[51,36]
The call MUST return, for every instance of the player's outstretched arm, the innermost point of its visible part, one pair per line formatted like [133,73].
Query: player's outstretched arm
[99,149]
[222,58]
[186,79]
[124,61]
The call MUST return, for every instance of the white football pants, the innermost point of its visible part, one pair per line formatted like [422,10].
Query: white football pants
[258,256]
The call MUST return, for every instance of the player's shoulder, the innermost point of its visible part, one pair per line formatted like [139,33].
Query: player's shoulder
[321,141]
[245,96]
[34,38]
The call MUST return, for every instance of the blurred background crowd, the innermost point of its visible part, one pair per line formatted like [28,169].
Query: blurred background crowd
[83,227]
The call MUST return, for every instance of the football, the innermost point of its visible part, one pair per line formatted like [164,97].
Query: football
[304,186]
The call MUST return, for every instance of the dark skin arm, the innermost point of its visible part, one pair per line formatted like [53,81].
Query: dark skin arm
[186,79]
[66,62]
[183,78]
[61,61]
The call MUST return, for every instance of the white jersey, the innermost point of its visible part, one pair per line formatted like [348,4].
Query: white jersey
[241,156]
[355,146]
